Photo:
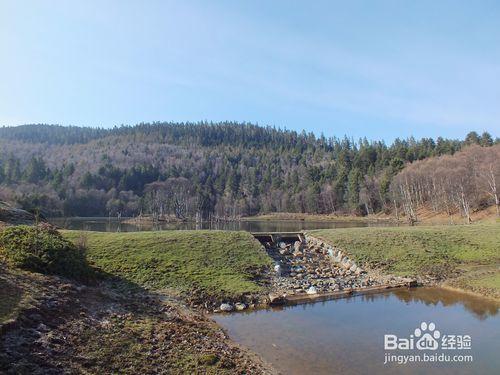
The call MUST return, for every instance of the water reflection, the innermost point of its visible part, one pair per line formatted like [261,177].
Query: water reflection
[480,307]
[346,335]
[120,225]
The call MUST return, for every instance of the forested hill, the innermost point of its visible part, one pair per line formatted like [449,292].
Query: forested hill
[203,169]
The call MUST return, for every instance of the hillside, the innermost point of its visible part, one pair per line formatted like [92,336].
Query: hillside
[203,170]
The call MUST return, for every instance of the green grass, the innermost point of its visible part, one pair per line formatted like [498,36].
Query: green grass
[42,249]
[419,250]
[216,262]
[490,281]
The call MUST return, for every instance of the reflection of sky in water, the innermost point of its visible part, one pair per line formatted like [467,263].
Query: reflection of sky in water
[115,225]
[346,335]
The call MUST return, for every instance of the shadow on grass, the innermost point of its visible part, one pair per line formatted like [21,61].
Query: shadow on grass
[10,298]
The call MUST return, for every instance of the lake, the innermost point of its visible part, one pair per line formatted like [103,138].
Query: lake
[118,225]
[346,336]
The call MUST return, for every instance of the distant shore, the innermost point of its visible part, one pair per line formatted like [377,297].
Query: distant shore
[148,219]
[278,216]
[318,217]
[425,216]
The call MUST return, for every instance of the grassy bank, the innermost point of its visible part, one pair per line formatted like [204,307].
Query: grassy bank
[425,217]
[468,256]
[215,263]
[92,326]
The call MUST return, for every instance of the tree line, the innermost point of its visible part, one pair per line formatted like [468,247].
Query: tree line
[451,184]
[207,170]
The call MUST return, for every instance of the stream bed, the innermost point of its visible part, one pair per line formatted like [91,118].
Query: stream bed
[346,336]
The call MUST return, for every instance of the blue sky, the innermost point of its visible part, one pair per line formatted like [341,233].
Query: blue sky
[380,69]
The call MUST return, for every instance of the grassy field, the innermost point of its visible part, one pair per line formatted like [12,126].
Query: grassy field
[217,263]
[441,251]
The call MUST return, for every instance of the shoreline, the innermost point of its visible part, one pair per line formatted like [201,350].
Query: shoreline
[425,218]
[469,292]
[319,218]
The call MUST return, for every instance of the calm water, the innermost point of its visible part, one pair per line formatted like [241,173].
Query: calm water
[114,225]
[346,336]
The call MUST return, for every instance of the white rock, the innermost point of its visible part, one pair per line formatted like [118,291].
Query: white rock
[240,306]
[226,307]
[312,290]
[277,269]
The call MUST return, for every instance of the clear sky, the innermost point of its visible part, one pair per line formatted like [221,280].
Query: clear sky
[379,69]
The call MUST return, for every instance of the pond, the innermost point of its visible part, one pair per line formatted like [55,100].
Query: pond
[346,336]
[115,225]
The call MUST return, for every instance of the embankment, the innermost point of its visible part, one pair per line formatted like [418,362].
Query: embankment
[202,267]
[462,256]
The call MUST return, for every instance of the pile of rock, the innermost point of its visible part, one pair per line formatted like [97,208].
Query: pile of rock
[312,266]
[336,255]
